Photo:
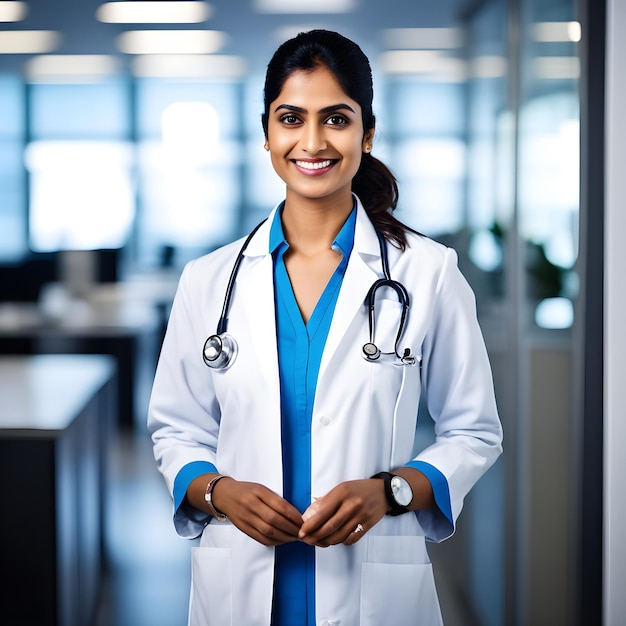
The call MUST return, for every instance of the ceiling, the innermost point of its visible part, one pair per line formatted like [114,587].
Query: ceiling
[250,34]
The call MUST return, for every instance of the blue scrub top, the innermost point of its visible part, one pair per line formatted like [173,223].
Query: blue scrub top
[300,348]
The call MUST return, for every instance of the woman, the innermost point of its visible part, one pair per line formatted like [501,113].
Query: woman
[299,435]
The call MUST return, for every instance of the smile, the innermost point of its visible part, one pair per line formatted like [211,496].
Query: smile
[315,165]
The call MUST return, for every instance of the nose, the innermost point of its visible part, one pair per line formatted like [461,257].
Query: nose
[314,139]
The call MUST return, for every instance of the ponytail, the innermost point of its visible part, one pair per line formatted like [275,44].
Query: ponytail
[377,189]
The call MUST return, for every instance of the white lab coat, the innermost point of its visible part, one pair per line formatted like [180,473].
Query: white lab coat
[364,421]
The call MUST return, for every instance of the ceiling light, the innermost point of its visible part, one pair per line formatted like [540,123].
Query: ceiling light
[488,67]
[574,31]
[189,66]
[284,33]
[422,38]
[29,41]
[70,67]
[154,12]
[171,41]
[552,32]
[430,63]
[557,68]
[13,11]
[304,6]
[409,61]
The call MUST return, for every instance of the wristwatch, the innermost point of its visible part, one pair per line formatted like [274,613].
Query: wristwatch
[397,491]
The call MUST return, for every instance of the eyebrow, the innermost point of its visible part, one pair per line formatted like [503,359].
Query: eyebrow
[328,109]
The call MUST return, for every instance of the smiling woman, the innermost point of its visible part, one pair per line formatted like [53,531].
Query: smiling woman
[301,433]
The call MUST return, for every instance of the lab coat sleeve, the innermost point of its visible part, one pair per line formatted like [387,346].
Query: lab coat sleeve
[441,517]
[183,415]
[459,394]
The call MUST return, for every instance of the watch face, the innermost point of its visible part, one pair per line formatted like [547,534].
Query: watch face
[401,491]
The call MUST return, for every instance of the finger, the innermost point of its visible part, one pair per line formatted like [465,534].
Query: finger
[277,520]
[331,532]
[333,518]
[281,514]
[319,521]
[274,521]
[267,529]
[263,515]
[347,533]
[270,535]
[356,534]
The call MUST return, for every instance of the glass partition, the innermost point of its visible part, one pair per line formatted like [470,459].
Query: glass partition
[13,228]
[547,202]
[549,157]
[515,228]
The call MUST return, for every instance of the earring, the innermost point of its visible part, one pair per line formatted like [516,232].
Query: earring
[368,149]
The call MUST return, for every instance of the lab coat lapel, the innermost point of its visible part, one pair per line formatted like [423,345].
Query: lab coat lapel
[257,301]
[257,293]
[359,277]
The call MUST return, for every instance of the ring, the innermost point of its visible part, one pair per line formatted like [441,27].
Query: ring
[359,529]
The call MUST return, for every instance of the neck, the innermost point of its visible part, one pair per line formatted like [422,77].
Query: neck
[312,226]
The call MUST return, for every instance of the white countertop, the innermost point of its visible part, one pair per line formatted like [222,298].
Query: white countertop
[47,392]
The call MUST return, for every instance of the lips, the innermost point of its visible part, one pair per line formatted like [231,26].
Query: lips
[314,167]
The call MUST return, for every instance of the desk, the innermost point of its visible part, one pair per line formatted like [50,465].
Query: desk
[129,331]
[56,416]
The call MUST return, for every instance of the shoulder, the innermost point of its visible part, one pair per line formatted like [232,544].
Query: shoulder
[424,250]
[209,266]
[426,262]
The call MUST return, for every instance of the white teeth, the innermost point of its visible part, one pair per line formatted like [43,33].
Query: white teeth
[317,165]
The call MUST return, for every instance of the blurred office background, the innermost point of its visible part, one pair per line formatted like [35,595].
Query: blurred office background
[130,142]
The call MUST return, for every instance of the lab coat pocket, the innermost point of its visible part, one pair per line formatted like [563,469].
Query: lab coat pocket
[397,584]
[399,594]
[210,603]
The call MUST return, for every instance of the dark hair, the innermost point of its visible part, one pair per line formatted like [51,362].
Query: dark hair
[373,183]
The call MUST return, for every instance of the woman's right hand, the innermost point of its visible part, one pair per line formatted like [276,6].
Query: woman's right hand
[253,508]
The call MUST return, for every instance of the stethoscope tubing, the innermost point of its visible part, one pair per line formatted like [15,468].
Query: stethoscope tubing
[220,349]
[223,321]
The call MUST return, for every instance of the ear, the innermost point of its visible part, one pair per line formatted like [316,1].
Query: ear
[368,139]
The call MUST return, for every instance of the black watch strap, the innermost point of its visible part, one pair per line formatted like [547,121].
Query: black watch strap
[396,509]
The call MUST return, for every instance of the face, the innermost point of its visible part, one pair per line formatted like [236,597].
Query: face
[315,137]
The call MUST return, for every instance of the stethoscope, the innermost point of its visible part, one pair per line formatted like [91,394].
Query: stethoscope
[220,350]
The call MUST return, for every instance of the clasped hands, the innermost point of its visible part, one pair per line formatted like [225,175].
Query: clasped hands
[343,515]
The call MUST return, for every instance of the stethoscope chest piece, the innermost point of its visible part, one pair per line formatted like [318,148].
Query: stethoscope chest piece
[371,352]
[219,351]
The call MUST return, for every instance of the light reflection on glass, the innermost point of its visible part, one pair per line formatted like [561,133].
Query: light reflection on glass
[554,313]
[81,194]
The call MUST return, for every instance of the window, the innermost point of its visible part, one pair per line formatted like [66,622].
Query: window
[80,165]
[13,231]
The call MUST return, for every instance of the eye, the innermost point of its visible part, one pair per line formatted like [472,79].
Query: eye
[337,120]
[289,119]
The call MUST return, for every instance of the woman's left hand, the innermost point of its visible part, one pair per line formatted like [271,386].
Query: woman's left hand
[344,514]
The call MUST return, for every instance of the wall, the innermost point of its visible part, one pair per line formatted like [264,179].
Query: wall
[615,331]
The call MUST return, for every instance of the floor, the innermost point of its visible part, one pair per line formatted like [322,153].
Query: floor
[148,577]
[148,573]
